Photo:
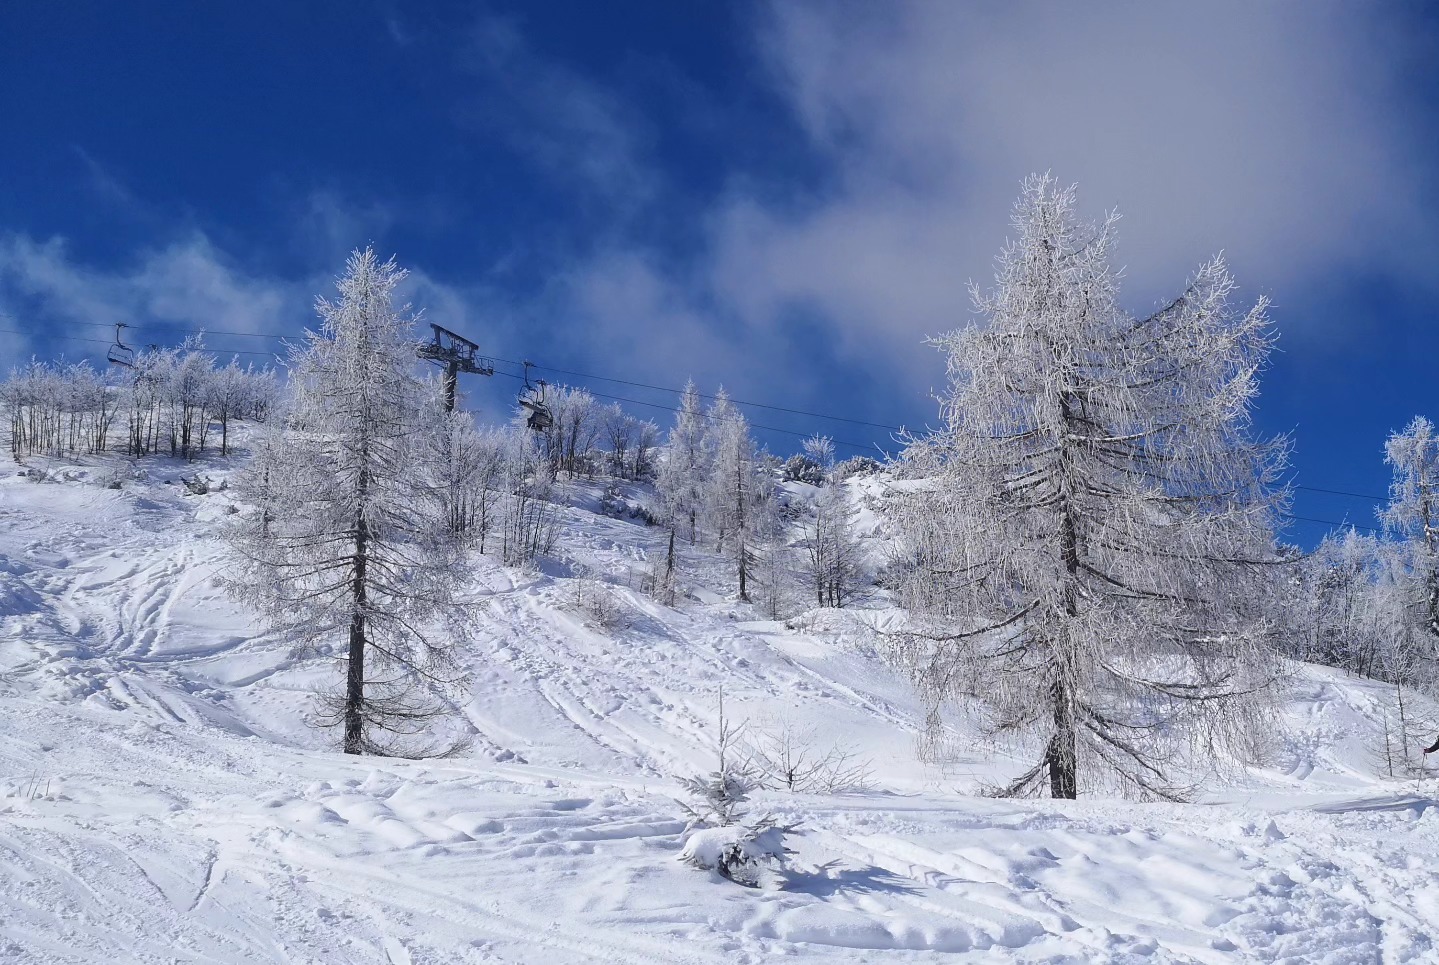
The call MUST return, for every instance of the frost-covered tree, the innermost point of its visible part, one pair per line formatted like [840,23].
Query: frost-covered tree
[575,426]
[680,481]
[631,443]
[187,395]
[739,494]
[721,834]
[236,393]
[349,544]
[1343,601]
[471,470]
[832,548]
[774,576]
[1091,533]
[528,517]
[1413,516]
[820,449]
[620,430]
[58,408]
[169,394]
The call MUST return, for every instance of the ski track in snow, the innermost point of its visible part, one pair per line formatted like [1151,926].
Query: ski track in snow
[162,798]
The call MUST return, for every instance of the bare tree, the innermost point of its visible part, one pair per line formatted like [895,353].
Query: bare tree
[820,450]
[528,517]
[471,471]
[1093,532]
[791,757]
[832,549]
[350,544]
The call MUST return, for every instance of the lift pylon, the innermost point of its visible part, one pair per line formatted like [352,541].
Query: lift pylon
[455,354]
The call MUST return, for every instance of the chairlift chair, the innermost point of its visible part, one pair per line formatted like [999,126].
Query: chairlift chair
[120,353]
[532,397]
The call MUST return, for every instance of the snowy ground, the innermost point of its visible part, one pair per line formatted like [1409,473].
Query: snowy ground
[163,799]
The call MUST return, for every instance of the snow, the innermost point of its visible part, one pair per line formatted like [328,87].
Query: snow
[163,797]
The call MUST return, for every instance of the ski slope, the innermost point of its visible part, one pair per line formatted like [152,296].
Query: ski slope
[163,797]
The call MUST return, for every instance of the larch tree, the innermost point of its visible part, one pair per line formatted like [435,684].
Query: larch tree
[682,474]
[349,546]
[1089,539]
[740,493]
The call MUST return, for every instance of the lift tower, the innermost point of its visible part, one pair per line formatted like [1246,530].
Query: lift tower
[456,354]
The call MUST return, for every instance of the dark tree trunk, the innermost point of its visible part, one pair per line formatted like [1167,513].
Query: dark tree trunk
[670,560]
[743,571]
[1060,755]
[355,671]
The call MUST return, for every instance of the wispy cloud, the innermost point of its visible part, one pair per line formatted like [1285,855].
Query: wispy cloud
[188,284]
[585,136]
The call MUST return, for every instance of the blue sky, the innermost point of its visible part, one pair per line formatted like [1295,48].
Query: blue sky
[784,198]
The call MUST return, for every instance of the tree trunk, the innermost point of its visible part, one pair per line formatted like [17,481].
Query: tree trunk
[1403,730]
[355,688]
[669,588]
[355,671]
[1060,755]
[743,571]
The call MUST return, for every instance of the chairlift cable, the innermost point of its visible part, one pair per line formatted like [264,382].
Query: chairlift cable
[703,395]
[106,341]
[670,408]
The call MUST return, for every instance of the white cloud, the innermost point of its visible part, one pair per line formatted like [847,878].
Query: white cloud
[1272,131]
[186,284]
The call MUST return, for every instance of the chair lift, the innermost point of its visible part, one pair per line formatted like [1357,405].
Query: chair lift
[532,397]
[120,353]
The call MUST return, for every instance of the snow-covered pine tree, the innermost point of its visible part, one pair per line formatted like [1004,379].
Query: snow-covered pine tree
[349,546]
[1093,536]
[720,834]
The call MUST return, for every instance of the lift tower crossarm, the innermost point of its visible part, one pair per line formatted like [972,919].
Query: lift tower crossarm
[455,354]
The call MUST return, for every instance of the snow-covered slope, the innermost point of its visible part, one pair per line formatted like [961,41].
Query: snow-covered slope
[162,797]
